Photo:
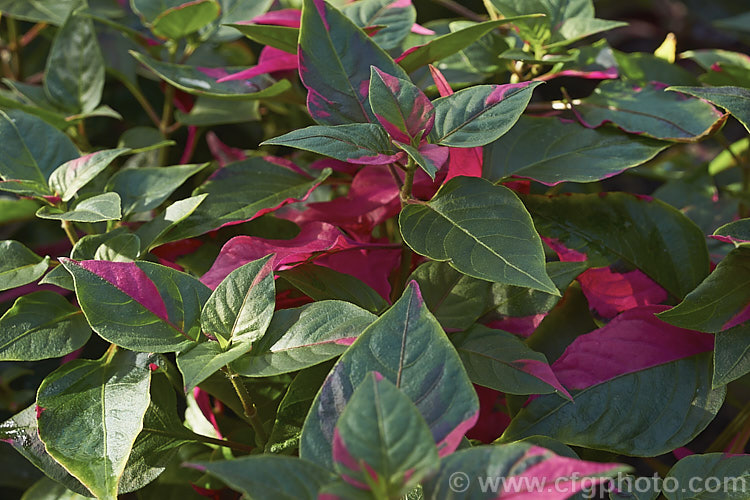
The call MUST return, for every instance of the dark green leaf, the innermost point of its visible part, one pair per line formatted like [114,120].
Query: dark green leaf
[280,37]
[95,209]
[397,19]
[711,476]
[71,176]
[50,11]
[731,354]
[736,100]
[19,265]
[151,233]
[180,21]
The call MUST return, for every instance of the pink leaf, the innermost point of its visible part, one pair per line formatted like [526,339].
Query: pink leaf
[282,17]
[441,83]
[418,29]
[436,154]
[421,116]
[271,60]
[464,161]
[610,293]
[203,401]
[740,317]
[342,456]
[372,266]
[635,340]
[606,74]
[543,372]
[523,326]
[223,154]
[492,419]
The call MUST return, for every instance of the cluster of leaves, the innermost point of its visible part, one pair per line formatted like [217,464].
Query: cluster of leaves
[448,267]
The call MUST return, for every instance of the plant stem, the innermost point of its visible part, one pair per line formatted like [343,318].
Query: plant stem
[251,411]
[70,231]
[205,439]
[405,193]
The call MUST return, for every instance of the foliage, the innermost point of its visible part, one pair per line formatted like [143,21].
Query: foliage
[435,256]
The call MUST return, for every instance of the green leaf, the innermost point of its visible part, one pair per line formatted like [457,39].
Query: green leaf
[143,189]
[323,283]
[501,361]
[124,247]
[151,232]
[396,19]
[41,325]
[424,162]
[17,210]
[270,477]
[58,276]
[31,150]
[551,151]
[646,233]
[408,347]
[182,20]
[240,192]
[236,11]
[736,100]
[95,209]
[676,399]
[381,433]
[360,143]
[47,489]
[731,354]
[139,305]
[334,63]
[279,37]
[709,476]
[455,299]
[90,415]
[236,314]
[19,265]
[143,139]
[480,114]
[203,81]
[400,106]
[49,11]
[71,176]
[720,297]
[22,432]
[649,111]
[460,225]
[74,74]
[207,112]
[304,336]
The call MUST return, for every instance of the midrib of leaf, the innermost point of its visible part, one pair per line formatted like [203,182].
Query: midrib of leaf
[509,364]
[402,353]
[16,269]
[37,328]
[479,113]
[484,245]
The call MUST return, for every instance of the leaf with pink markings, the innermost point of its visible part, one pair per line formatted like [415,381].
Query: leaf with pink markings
[522,472]
[141,306]
[381,438]
[271,60]
[396,16]
[409,348]
[610,293]
[400,107]
[635,361]
[429,157]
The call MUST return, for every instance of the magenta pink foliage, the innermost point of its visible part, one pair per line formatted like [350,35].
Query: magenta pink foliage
[223,154]
[282,17]
[610,293]
[271,60]
[543,372]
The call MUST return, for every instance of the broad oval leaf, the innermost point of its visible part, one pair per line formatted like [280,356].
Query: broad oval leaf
[242,191]
[205,81]
[648,234]
[358,143]
[334,64]
[407,346]
[482,230]
[139,305]
[736,100]
[98,208]
[481,473]
[649,111]
[711,476]
[663,370]
[480,114]
[19,265]
[182,20]
[74,74]
[381,433]
[71,176]
[304,336]
[267,477]
[90,413]
[41,325]
[552,151]
[30,161]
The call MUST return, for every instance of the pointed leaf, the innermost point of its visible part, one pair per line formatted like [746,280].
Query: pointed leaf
[103,402]
[280,37]
[460,225]
[514,470]
[719,476]
[358,143]
[304,336]
[71,176]
[31,160]
[143,189]
[41,325]
[242,191]
[501,361]
[151,232]
[480,114]
[648,234]
[74,74]
[736,232]
[381,433]
[400,107]
[51,11]
[334,62]
[95,209]
[429,157]
[736,100]
[139,305]
[122,248]
[662,370]
[396,16]
[649,111]
[180,21]
[731,354]
[408,347]
[552,151]
[267,477]
[205,81]
[19,265]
